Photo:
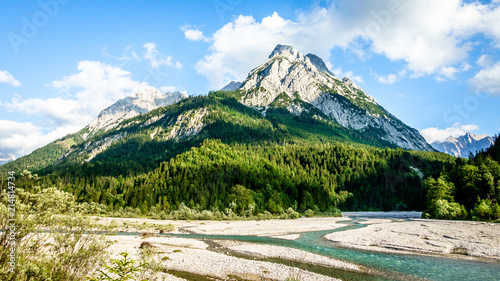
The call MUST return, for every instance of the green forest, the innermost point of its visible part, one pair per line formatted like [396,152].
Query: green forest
[243,163]
[251,179]
[469,189]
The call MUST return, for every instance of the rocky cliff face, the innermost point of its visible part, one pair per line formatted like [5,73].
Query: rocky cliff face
[307,79]
[463,145]
[139,103]
[232,86]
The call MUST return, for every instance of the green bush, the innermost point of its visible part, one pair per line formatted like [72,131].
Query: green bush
[64,251]
[442,209]
[121,270]
[309,213]
[483,210]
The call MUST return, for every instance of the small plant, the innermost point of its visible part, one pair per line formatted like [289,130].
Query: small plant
[124,268]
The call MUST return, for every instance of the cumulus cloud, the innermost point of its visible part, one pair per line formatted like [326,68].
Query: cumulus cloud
[167,89]
[487,80]
[433,134]
[194,34]
[128,54]
[21,138]
[430,37]
[96,86]
[356,78]
[157,59]
[6,77]
[390,78]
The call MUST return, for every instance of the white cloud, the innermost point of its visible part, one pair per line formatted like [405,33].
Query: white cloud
[194,34]
[6,77]
[356,78]
[167,89]
[20,138]
[487,80]
[485,61]
[96,86]
[431,37]
[128,54]
[447,73]
[390,78]
[433,134]
[157,59]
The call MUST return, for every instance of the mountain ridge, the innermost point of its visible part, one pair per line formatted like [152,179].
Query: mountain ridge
[285,95]
[463,145]
[289,71]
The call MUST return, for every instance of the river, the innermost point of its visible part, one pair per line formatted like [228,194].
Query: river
[419,266]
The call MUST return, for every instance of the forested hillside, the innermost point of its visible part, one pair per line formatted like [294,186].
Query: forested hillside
[470,189]
[239,160]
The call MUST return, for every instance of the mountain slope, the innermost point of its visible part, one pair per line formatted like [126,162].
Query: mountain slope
[146,140]
[463,145]
[306,79]
[298,139]
[289,98]
[110,118]
[232,86]
[136,104]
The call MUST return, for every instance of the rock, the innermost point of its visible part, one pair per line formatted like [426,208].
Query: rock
[306,78]
[138,103]
[463,145]
[232,86]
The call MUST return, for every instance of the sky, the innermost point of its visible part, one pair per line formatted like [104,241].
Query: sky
[433,64]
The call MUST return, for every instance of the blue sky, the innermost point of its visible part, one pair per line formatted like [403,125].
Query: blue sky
[433,64]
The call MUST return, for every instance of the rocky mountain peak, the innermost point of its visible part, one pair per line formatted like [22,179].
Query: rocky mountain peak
[232,86]
[286,51]
[450,139]
[138,103]
[319,63]
[469,136]
[307,79]
[463,145]
[351,83]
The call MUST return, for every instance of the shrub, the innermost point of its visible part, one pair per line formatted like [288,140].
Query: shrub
[309,213]
[121,270]
[442,209]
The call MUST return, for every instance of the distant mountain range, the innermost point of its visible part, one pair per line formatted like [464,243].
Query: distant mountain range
[6,157]
[464,145]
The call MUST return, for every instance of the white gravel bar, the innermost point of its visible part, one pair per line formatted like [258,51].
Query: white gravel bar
[459,238]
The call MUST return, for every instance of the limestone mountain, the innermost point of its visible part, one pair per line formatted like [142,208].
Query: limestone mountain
[290,98]
[110,118]
[463,145]
[131,106]
[232,86]
[301,83]
[292,136]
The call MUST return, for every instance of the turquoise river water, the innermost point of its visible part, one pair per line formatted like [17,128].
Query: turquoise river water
[426,267]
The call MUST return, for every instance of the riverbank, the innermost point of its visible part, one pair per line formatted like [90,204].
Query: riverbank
[174,255]
[456,239]
[226,259]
